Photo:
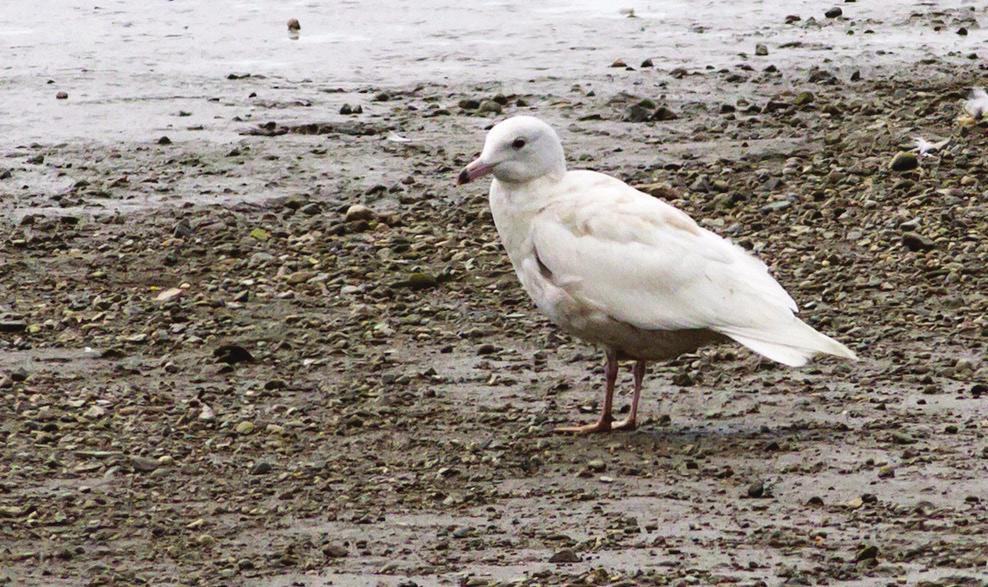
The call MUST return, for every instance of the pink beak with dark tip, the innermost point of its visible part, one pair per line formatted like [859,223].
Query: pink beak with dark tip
[473,171]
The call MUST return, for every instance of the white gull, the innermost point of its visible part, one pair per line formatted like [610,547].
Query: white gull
[626,271]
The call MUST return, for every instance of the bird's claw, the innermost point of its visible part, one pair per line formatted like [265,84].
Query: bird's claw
[598,426]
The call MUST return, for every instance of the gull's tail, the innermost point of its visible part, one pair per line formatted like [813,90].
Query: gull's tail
[791,344]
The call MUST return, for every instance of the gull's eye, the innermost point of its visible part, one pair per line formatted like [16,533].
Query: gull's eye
[518,144]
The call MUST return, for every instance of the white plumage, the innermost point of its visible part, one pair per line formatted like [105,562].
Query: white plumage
[626,271]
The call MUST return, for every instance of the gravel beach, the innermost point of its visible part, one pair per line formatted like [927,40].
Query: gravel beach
[247,339]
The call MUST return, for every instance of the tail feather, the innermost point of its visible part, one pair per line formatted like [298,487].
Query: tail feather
[793,344]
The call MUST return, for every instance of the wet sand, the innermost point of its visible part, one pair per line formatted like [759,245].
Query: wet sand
[367,402]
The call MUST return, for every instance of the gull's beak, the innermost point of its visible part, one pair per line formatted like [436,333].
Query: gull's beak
[471,172]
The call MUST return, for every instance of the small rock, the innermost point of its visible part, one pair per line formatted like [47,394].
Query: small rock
[334,551]
[833,12]
[663,113]
[756,489]
[359,212]
[469,104]
[420,280]
[803,98]
[261,468]
[647,63]
[490,106]
[143,464]
[636,113]
[206,414]
[761,50]
[904,161]
[259,234]
[62,96]
[169,294]
[865,553]
[13,325]
[565,555]
[597,465]
[619,63]
[245,427]
[486,349]
[232,354]
[293,25]
[902,438]
[916,242]
[164,140]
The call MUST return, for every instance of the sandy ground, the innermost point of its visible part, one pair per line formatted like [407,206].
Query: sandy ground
[371,402]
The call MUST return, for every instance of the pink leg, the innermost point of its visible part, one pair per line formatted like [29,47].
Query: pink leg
[604,423]
[630,422]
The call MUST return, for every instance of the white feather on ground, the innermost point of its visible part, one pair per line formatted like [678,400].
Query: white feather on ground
[976,104]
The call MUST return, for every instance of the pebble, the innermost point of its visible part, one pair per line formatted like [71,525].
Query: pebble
[334,551]
[261,468]
[489,106]
[62,96]
[564,556]
[761,49]
[904,161]
[169,294]
[917,242]
[294,25]
[143,464]
[13,325]
[866,552]
[358,212]
[755,489]
[833,12]
[245,427]
[420,280]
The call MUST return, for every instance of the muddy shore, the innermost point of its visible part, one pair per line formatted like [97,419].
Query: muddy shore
[211,375]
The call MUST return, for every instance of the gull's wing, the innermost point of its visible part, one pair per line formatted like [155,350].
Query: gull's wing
[647,264]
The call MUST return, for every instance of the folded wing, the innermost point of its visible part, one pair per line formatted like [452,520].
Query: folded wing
[650,265]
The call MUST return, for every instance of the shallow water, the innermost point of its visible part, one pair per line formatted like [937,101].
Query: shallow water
[131,67]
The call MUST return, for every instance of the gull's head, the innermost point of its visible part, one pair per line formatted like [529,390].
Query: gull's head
[518,150]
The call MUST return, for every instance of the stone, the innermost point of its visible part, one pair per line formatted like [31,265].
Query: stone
[13,325]
[261,468]
[866,553]
[421,280]
[761,50]
[294,26]
[833,12]
[904,161]
[564,556]
[334,551]
[359,212]
[663,113]
[916,242]
[490,106]
[169,294]
[803,98]
[62,96]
